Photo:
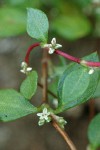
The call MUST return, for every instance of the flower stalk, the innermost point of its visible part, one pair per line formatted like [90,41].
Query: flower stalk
[52,48]
[29,51]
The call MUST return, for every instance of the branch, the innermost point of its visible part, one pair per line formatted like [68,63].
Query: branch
[45,88]
[91,109]
[78,60]
[45,75]
[72,58]
[51,93]
[63,134]
[29,51]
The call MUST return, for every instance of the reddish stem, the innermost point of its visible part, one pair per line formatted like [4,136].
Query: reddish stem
[68,56]
[72,58]
[78,60]
[29,51]
[93,64]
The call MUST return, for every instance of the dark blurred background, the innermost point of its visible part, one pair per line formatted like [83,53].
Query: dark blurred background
[76,25]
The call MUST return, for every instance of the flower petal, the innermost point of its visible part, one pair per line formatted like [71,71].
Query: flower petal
[42,117]
[53,42]
[46,117]
[29,69]
[45,111]
[23,64]
[58,46]
[48,113]
[51,50]
[39,114]
[23,71]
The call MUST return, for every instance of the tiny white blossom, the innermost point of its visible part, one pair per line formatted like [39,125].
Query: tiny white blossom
[25,69]
[44,116]
[91,71]
[53,41]
[29,69]
[23,64]
[53,46]
[51,50]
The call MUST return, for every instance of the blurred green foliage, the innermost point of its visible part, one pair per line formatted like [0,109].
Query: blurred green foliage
[12,23]
[69,19]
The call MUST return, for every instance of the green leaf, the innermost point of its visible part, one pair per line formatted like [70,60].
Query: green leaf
[77,85]
[97,92]
[37,24]
[94,132]
[13,105]
[53,85]
[12,22]
[29,85]
[71,24]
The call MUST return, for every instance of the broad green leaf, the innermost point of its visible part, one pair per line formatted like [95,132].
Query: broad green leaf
[94,132]
[13,105]
[71,24]
[53,85]
[29,85]
[12,22]
[37,24]
[97,92]
[77,85]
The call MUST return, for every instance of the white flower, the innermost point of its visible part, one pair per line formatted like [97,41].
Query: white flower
[44,116]
[91,71]
[25,69]
[53,46]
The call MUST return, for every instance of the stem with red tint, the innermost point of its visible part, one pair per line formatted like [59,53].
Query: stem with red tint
[78,60]
[29,51]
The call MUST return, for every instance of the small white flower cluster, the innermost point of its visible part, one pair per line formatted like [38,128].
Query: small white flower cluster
[53,46]
[25,69]
[44,117]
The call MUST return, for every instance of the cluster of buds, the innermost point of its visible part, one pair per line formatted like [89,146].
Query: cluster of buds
[25,69]
[60,121]
[53,46]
